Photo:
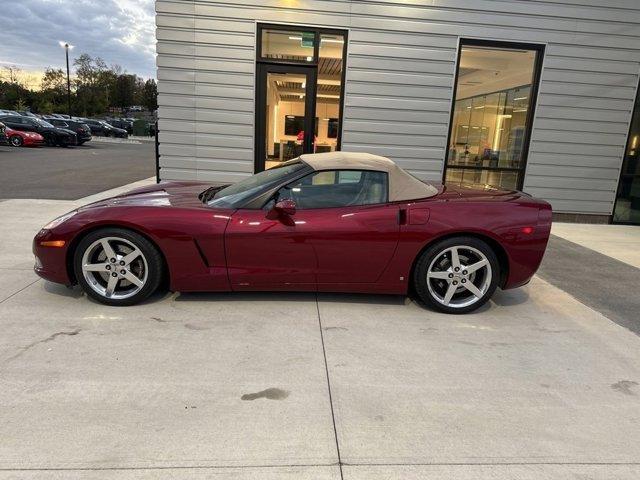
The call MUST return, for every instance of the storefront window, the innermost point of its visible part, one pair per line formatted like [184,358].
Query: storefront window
[491,116]
[627,209]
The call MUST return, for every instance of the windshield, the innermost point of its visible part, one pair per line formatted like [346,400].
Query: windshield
[234,195]
[42,122]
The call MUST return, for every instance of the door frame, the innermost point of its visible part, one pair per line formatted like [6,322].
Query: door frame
[260,87]
[263,71]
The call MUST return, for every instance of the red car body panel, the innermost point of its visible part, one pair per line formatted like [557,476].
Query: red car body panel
[29,139]
[368,248]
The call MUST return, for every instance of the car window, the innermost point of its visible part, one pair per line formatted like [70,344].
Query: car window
[21,121]
[235,195]
[42,123]
[337,188]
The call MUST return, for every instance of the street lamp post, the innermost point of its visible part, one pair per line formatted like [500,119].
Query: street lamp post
[67,47]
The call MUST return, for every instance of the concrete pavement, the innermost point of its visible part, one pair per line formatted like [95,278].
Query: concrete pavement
[535,385]
[621,242]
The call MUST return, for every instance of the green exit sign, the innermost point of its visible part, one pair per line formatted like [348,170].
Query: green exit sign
[307,39]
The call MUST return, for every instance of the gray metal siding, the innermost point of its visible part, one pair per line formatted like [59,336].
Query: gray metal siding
[399,84]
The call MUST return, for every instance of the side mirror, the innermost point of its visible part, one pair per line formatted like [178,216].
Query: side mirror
[285,207]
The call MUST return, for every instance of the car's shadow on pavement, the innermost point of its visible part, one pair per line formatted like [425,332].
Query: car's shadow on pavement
[500,298]
[289,297]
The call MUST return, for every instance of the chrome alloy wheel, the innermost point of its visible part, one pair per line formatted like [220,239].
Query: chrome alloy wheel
[459,276]
[114,268]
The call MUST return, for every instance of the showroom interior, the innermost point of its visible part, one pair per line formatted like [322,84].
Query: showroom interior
[532,106]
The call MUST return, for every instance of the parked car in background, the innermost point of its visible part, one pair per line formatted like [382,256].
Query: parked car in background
[3,137]
[8,112]
[52,135]
[83,131]
[17,138]
[26,113]
[121,123]
[102,128]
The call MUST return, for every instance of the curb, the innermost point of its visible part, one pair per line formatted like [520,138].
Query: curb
[130,140]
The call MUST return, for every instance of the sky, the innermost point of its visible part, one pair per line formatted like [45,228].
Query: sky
[119,31]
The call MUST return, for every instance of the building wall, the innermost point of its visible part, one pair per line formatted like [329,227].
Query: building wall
[399,84]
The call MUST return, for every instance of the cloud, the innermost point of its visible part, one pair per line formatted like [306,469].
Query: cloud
[119,31]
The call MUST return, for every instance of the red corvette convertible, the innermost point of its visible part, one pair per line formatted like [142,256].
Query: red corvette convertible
[17,138]
[331,222]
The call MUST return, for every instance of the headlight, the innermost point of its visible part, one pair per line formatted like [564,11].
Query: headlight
[54,223]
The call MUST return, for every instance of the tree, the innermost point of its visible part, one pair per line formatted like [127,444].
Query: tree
[20,105]
[92,84]
[53,95]
[150,95]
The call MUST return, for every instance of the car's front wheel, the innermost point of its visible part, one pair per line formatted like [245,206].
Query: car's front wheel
[117,267]
[457,275]
[16,141]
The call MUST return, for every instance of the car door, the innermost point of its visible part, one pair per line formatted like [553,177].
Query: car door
[16,123]
[343,232]
[267,253]
[352,227]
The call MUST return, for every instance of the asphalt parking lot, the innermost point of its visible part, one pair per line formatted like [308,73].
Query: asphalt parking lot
[536,385]
[71,173]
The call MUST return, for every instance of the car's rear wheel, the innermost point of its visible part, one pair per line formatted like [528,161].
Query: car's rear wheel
[117,267]
[16,140]
[49,139]
[457,275]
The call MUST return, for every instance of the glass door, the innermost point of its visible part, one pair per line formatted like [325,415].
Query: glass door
[286,126]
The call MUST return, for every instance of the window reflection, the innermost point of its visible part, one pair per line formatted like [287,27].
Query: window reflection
[489,123]
[627,208]
[286,45]
[328,92]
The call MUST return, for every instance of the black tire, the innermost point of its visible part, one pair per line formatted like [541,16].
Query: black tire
[16,141]
[106,133]
[487,277]
[81,142]
[154,264]
[49,140]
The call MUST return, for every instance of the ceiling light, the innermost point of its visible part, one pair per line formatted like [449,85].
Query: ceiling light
[521,98]
[330,40]
[309,59]
[295,38]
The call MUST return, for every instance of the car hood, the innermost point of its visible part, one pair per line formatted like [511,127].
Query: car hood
[166,194]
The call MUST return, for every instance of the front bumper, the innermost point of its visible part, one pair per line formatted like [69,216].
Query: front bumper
[51,262]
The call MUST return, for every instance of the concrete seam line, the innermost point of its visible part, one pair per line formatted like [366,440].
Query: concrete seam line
[21,290]
[168,467]
[326,369]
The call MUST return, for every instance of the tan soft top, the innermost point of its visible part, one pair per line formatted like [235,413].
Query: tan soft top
[402,186]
